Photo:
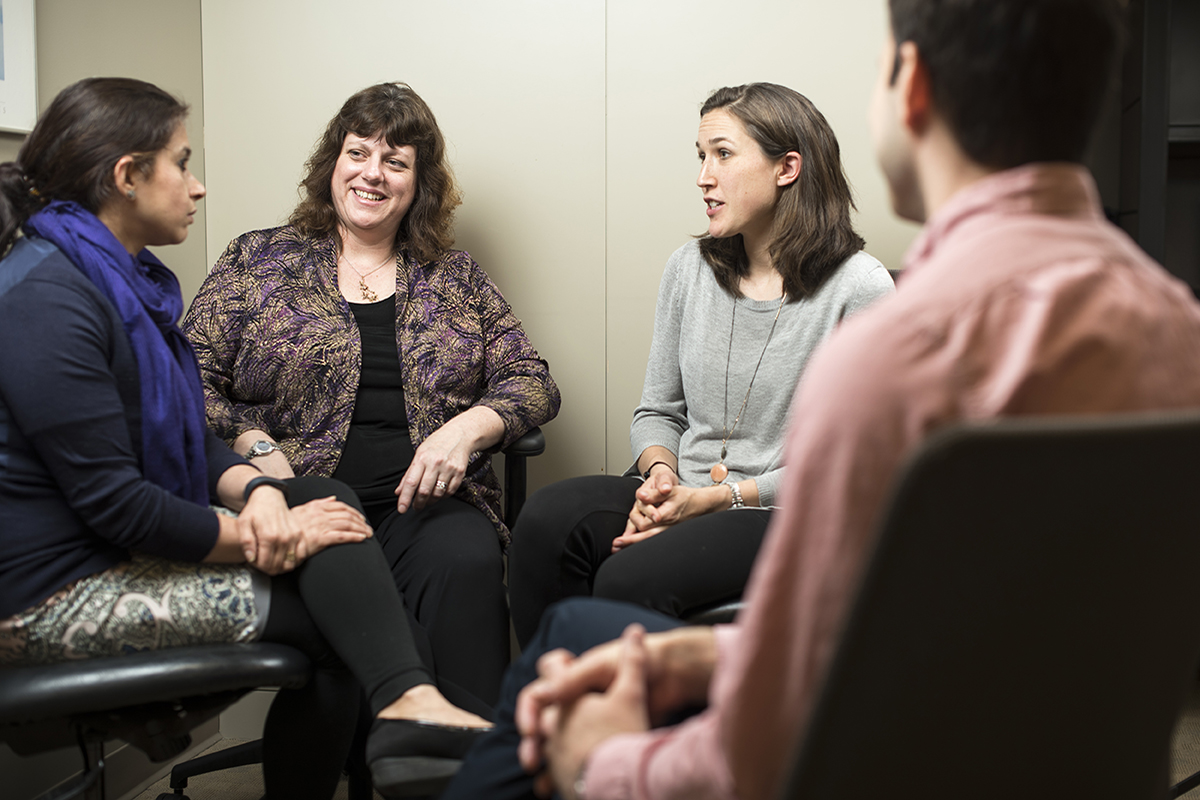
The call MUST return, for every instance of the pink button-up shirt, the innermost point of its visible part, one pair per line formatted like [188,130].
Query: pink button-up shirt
[1019,298]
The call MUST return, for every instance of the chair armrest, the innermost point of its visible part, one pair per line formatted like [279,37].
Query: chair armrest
[533,443]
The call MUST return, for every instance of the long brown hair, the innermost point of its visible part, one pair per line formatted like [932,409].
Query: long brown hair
[396,112]
[812,233]
[78,140]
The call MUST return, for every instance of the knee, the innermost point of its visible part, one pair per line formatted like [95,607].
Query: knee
[310,487]
[614,583]
[624,579]
[564,516]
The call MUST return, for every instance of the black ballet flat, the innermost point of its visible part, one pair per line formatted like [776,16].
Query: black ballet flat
[411,758]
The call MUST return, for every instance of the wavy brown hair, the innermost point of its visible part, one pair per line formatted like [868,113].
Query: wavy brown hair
[396,112]
[78,139]
[812,233]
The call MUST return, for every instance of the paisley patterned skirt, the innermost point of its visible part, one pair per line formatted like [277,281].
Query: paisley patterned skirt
[143,604]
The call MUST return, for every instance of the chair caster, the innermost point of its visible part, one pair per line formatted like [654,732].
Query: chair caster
[172,796]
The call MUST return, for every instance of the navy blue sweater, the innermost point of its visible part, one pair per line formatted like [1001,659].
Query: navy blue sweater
[73,499]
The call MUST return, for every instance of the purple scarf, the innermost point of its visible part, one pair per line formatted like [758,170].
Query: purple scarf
[147,297]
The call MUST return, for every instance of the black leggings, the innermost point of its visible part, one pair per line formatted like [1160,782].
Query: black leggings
[341,609]
[562,547]
[447,564]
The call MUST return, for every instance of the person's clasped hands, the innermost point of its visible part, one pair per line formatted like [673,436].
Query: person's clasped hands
[623,686]
[662,501]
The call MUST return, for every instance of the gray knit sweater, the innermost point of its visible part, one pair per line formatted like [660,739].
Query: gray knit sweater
[684,406]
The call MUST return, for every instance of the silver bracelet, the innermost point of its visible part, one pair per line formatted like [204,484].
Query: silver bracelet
[736,491]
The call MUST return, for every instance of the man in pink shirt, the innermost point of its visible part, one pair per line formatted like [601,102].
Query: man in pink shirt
[1018,298]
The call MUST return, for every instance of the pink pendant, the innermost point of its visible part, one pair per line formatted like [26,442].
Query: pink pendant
[718,473]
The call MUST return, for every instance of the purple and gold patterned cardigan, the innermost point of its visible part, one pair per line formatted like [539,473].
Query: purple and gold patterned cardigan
[279,351]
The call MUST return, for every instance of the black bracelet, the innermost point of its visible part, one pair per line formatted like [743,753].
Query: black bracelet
[264,480]
[646,474]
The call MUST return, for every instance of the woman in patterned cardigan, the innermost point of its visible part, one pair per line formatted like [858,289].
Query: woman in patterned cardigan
[353,343]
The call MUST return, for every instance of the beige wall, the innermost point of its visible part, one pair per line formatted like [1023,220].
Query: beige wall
[571,127]
[152,40]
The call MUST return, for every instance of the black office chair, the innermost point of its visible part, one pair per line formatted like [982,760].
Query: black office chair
[1029,624]
[359,787]
[151,700]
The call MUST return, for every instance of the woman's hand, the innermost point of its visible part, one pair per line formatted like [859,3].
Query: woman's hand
[272,537]
[276,539]
[328,521]
[662,503]
[440,462]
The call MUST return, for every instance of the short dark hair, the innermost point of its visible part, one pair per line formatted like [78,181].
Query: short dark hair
[396,112]
[78,140]
[812,233]
[1017,81]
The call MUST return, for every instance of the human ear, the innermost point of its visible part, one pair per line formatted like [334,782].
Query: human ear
[789,168]
[123,174]
[915,90]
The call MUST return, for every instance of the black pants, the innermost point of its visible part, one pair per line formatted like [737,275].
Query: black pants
[340,607]
[562,547]
[491,769]
[447,564]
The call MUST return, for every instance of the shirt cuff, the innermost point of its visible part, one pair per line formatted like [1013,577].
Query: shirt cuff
[613,766]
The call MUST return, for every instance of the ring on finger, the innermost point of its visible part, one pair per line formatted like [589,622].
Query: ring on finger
[440,486]
[290,555]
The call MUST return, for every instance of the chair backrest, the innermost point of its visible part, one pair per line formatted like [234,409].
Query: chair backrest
[1029,625]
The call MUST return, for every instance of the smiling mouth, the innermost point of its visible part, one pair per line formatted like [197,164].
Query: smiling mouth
[714,203]
[367,195]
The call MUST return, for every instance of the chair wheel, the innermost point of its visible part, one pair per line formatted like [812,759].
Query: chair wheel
[172,796]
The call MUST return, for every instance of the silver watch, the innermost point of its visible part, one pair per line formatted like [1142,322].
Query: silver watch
[261,448]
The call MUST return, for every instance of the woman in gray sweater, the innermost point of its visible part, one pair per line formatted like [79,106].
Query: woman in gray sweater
[740,310]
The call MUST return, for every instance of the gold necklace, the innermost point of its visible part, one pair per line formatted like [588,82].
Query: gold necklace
[719,471]
[368,293]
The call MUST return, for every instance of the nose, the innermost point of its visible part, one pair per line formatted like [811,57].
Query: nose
[372,169]
[197,189]
[705,178]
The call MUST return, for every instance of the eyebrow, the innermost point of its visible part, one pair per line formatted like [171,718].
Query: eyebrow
[716,140]
[187,152]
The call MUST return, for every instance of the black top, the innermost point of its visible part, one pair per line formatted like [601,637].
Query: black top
[378,448]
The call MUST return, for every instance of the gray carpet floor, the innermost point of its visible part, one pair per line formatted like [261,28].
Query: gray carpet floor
[245,783]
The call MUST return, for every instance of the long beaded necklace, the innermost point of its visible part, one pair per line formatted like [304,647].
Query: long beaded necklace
[368,293]
[719,471]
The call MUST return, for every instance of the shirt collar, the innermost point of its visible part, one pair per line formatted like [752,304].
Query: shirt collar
[1059,189]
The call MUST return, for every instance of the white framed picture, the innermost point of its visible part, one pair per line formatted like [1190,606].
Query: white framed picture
[18,66]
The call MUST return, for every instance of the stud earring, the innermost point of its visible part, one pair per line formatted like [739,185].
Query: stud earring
[131,194]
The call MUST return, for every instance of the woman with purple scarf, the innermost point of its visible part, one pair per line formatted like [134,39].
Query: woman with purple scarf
[109,543]
[353,342]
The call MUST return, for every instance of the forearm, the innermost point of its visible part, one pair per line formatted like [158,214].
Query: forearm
[243,443]
[686,657]
[656,454]
[231,487]
[480,427]
[228,549]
